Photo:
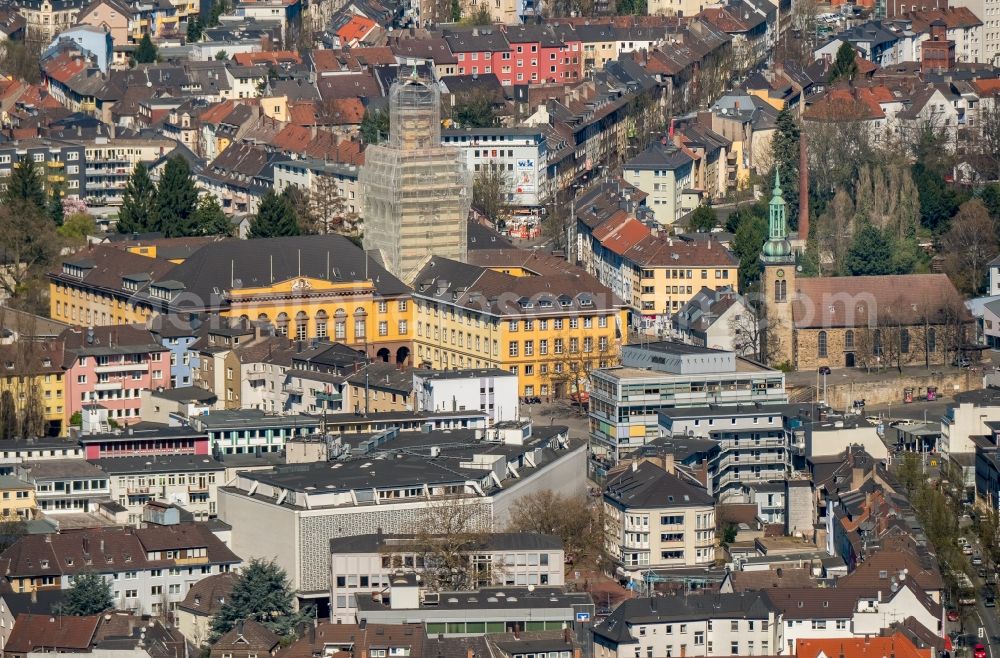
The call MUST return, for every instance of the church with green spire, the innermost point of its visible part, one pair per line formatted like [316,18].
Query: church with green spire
[777,249]
[777,279]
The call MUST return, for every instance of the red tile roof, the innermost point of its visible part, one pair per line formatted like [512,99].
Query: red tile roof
[51,634]
[356,29]
[64,66]
[274,57]
[352,60]
[621,233]
[897,645]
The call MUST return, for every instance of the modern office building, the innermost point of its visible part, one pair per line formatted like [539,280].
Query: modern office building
[416,193]
[490,390]
[394,482]
[625,399]
[365,564]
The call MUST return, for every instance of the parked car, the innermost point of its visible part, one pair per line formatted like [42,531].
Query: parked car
[982,573]
[979,651]
[953,615]
[824,370]
[966,550]
[989,599]
[977,561]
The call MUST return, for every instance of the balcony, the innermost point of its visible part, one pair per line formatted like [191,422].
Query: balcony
[198,488]
[108,386]
[122,367]
[138,491]
[183,561]
[329,397]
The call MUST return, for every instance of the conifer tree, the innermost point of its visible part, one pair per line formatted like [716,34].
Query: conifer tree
[176,200]
[138,203]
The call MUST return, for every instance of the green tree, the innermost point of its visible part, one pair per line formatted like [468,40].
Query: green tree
[474,109]
[55,205]
[785,153]
[751,232]
[456,11]
[193,29]
[374,126]
[481,16]
[176,199]
[210,218]
[219,7]
[146,52]
[938,202]
[703,219]
[264,594]
[990,196]
[870,253]
[221,56]
[631,7]
[845,66]
[137,214]
[24,185]
[275,217]
[90,594]
[77,227]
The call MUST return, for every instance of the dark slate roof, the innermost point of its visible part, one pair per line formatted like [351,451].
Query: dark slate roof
[694,607]
[659,156]
[648,485]
[259,262]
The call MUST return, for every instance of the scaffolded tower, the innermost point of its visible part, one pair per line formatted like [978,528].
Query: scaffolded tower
[416,193]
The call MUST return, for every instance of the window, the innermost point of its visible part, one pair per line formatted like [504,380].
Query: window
[819,624]
[402,306]
[849,339]
[821,345]
[734,626]
[359,328]
[780,290]
[734,648]
[841,624]
[403,328]
[383,328]
[904,341]
[931,340]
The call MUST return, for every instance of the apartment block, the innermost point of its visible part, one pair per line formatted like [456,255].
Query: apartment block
[149,569]
[754,444]
[188,481]
[657,517]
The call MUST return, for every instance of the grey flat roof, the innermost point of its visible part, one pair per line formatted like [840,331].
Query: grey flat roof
[253,418]
[144,431]
[60,468]
[501,541]
[158,464]
[468,373]
[495,598]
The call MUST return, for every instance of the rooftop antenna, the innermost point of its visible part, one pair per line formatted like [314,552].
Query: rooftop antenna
[328,265]
[271,257]
[300,262]
[232,272]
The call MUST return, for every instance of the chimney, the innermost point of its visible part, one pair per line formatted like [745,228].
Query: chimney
[668,463]
[803,188]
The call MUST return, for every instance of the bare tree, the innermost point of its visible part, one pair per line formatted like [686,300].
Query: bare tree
[447,533]
[491,189]
[574,519]
[987,139]
[969,245]
[754,337]
[330,210]
[30,244]
[574,358]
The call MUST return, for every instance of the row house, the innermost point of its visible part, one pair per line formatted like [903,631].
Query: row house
[149,569]
[239,177]
[522,153]
[772,621]
[540,54]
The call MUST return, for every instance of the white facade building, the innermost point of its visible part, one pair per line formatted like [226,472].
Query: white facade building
[490,390]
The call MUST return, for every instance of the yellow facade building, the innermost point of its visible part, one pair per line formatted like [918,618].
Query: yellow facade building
[17,499]
[548,330]
[318,286]
[32,371]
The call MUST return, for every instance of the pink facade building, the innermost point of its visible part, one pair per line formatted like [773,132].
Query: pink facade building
[110,366]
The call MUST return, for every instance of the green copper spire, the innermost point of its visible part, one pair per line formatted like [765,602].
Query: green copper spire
[777,249]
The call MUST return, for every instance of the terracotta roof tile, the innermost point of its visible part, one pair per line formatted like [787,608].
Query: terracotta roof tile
[861,647]
[858,300]
[42,633]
